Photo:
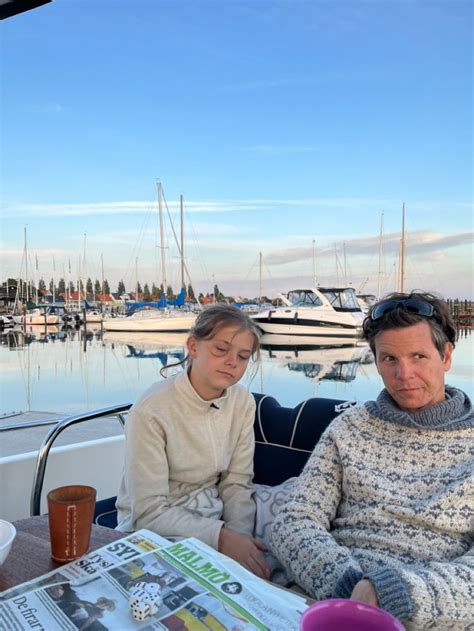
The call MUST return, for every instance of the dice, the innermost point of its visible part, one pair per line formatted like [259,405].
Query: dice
[145,600]
[141,611]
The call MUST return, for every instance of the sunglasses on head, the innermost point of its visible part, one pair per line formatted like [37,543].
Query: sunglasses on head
[413,305]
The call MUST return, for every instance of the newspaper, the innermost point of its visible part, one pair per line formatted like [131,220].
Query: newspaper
[201,589]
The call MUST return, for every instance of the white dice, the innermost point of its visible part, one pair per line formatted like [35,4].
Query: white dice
[145,600]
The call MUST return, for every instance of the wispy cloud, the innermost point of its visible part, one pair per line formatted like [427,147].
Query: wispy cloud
[320,78]
[343,204]
[45,108]
[419,242]
[282,149]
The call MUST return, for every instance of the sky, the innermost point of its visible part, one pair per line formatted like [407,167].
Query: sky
[292,129]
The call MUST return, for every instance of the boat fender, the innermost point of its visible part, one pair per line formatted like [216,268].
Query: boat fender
[270,315]
[295,317]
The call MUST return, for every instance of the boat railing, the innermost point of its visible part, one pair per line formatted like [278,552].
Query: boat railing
[54,432]
[28,424]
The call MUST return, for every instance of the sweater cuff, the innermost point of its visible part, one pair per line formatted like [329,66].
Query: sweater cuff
[392,592]
[212,536]
[346,583]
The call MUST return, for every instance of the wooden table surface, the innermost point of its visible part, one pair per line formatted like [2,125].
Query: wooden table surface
[30,555]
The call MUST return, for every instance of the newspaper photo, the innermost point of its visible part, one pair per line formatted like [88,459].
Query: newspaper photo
[194,587]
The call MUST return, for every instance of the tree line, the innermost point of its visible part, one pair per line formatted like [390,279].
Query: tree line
[92,288]
[25,291]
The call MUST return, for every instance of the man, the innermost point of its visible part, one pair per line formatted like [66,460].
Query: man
[384,509]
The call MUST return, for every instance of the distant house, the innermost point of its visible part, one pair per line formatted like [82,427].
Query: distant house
[106,299]
[7,295]
[74,296]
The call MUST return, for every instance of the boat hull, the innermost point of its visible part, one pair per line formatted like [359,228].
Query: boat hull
[280,327]
[151,325]
[38,320]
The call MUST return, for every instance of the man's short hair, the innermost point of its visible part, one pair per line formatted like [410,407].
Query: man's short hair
[400,315]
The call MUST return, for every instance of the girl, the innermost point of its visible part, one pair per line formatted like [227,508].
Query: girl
[190,445]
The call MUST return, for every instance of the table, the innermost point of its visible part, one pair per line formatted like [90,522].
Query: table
[30,555]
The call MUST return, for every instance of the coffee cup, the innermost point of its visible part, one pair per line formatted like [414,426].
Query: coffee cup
[338,614]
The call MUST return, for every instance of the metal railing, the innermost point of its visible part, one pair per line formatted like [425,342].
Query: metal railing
[43,453]
[28,424]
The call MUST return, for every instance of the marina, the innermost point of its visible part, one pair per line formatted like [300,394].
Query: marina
[67,371]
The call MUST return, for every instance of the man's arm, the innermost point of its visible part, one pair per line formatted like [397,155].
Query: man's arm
[300,534]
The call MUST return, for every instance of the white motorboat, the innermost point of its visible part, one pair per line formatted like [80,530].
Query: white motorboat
[329,312]
[39,316]
[152,320]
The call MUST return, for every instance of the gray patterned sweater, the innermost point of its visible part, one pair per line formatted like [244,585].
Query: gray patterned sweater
[389,496]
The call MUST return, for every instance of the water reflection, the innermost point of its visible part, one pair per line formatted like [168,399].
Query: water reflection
[71,370]
[167,347]
[334,360]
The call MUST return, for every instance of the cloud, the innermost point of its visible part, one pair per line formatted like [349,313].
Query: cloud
[46,108]
[418,242]
[134,207]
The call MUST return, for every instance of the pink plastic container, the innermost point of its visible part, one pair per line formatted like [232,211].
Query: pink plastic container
[344,615]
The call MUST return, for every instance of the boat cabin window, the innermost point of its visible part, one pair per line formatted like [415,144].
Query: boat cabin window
[341,299]
[302,298]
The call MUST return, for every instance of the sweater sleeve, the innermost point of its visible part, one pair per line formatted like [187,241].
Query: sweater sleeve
[438,592]
[235,486]
[300,535]
[147,480]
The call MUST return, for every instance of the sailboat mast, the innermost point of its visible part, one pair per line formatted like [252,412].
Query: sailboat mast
[79,283]
[183,286]
[260,280]
[26,269]
[136,279]
[402,253]
[345,264]
[314,262]
[379,283]
[54,280]
[162,238]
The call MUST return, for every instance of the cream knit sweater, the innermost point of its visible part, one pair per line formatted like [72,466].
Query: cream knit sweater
[188,462]
[391,503]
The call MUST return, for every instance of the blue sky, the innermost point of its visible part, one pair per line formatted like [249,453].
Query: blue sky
[279,122]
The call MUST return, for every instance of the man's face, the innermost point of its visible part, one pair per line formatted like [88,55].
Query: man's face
[411,367]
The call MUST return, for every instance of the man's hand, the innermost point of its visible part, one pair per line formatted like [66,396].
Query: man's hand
[364,591]
[245,550]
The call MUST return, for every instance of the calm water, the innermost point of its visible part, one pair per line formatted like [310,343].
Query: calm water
[69,372]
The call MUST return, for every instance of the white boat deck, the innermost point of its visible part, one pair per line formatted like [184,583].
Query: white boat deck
[19,441]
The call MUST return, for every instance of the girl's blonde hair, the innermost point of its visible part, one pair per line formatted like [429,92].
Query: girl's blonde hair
[211,320]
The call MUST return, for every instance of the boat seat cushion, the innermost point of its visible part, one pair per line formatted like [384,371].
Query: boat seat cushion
[284,439]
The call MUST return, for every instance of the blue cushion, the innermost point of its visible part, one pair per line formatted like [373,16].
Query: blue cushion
[285,437]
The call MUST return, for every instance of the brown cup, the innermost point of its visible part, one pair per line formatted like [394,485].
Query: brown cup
[71,511]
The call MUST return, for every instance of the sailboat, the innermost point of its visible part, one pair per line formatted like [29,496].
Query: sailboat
[163,319]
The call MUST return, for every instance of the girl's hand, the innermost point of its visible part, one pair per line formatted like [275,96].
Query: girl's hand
[244,550]
[364,591]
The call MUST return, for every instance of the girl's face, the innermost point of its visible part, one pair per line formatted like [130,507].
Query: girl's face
[219,362]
